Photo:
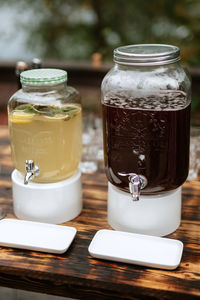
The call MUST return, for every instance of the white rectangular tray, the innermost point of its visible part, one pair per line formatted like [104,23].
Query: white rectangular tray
[36,236]
[137,249]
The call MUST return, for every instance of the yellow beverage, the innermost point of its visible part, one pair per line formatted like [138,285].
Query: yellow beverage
[50,136]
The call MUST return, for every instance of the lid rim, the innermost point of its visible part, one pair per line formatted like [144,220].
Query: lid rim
[122,55]
[43,76]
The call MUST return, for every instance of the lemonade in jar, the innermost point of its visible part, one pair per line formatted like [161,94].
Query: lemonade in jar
[45,125]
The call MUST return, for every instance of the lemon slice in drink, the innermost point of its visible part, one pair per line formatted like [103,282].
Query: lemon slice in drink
[19,117]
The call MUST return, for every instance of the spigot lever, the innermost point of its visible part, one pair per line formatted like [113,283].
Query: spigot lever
[31,169]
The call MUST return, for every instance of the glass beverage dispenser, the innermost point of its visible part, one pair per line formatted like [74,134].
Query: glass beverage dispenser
[146,125]
[45,136]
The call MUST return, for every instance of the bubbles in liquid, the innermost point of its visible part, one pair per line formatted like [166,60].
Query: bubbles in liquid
[162,100]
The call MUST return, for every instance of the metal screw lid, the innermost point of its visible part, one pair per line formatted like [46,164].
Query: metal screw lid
[43,76]
[36,63]
[21,65]
[146,54]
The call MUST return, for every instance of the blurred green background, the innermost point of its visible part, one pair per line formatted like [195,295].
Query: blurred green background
[75,29]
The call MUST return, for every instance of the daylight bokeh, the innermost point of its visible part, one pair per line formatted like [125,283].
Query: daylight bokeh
[75,29]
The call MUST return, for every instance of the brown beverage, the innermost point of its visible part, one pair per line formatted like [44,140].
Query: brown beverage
[149,137]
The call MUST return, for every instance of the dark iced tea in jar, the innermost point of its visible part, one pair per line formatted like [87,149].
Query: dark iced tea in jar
[148,136]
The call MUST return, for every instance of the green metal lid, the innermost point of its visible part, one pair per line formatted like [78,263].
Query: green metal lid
[43,76]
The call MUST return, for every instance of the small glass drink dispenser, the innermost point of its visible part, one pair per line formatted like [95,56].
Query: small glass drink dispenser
[45,135]
[146,125]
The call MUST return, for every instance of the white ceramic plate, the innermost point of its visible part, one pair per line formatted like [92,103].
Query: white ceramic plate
[137,249]
[36,236]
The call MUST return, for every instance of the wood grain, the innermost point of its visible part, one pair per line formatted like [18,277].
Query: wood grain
[76,274]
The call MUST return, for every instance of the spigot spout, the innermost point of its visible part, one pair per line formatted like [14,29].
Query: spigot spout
[32,170]
[136,184]
[28,176]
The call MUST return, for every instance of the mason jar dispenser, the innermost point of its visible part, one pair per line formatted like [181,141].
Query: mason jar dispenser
[146,100]
[45,135]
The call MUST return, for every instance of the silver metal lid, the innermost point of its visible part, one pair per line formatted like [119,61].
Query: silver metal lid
[146,54]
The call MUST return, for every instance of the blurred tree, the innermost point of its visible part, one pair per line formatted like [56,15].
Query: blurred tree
[75,29]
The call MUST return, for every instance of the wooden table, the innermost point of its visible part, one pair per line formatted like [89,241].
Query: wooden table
[76,274]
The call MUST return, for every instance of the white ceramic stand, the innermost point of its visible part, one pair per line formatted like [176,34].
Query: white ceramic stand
[157,215]
[50,202]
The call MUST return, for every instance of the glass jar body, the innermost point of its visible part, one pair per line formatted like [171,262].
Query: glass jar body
[146,125]
[45,126]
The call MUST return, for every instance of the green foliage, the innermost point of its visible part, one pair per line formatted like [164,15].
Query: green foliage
[195,104]
[49,111]
[75,29]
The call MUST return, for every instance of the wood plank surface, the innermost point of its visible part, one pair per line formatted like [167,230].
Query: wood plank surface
[76,274]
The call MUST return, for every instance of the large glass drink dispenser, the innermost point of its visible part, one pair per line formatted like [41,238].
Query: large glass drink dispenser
[146,124]
[45,136]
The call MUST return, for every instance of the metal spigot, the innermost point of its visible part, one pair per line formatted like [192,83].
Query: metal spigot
[32,170]
[136,184]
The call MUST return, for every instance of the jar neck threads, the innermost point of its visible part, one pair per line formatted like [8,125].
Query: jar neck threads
[44,88]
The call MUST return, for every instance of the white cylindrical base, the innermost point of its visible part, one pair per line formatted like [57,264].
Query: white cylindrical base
[153,215]
[50,202]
